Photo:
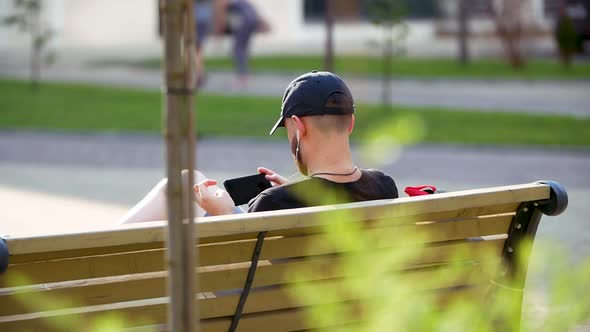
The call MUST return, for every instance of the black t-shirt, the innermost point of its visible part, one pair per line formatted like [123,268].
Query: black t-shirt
[372,185]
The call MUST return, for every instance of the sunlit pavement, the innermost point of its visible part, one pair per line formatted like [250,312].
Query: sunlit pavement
[31,212]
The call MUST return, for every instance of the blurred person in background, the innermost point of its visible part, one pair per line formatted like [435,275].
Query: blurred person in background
[237,18]
[203,11]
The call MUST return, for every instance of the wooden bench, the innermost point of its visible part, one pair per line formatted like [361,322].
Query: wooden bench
[71,282]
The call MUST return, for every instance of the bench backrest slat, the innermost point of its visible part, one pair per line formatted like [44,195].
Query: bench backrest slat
[240,251]
[289,219]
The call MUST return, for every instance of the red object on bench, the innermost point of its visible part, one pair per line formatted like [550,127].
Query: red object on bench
[420,190]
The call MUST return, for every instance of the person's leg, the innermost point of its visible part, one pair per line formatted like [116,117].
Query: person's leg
[242,38]
[200,75]
[153,206]
[203,17]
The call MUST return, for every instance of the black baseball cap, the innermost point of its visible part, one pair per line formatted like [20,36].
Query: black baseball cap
[310,94]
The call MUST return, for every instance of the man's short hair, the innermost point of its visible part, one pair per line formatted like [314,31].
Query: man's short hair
[334,123]
[313,94]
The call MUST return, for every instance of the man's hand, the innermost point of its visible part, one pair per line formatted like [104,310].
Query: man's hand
[274,178]
[215,201]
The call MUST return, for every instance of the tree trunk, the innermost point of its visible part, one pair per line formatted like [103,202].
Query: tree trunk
[386,97]
[329,48]
[566,59]
[463,32]
[179,134]
[35,60]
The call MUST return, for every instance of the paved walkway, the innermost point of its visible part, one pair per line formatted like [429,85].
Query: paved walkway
[550,97]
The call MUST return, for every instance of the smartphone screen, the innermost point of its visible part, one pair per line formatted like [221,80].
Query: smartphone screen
[243,189]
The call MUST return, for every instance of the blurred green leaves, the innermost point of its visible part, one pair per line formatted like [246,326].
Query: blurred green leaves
[387,278]
[384,142]
[386,11]
[28,19]
[383,292]
[50,309]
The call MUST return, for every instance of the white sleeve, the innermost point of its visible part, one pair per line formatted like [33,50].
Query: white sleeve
[153,206]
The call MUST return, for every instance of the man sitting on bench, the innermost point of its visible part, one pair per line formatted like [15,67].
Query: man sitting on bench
[318,114]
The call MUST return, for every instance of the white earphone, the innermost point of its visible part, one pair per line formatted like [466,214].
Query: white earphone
[297,150]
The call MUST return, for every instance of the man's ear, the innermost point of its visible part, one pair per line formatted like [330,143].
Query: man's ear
[351,127]
[300,125]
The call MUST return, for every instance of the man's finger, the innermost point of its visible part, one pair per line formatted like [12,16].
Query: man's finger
[208,183]
[201,189]
[196,188]
[264,170]
[276,180]
[198,197]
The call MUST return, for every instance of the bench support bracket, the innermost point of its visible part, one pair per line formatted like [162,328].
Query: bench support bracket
[249,281]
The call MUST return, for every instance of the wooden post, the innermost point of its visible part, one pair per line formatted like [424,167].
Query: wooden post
[386,93]
[179,134]
[463,32]
[329,46]
[36,35]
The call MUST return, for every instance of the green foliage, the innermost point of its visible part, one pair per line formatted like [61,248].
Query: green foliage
[386,12]
[566,34]
[385,139]
[566,37]
[25,9]
[564,289]
[18,20]
[27,18]
[22,17]
[389,15]
[110,321]
[101,109]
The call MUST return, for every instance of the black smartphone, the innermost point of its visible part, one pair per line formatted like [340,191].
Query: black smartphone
[243,189]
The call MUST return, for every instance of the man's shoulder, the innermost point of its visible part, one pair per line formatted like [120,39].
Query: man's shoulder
[375,174]
[287,188]
[279,197]
[374,171]
[377,185]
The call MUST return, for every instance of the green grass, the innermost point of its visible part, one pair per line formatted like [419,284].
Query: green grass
[82,108]
[402,67]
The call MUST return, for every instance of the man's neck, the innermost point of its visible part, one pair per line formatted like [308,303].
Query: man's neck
[335,159]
